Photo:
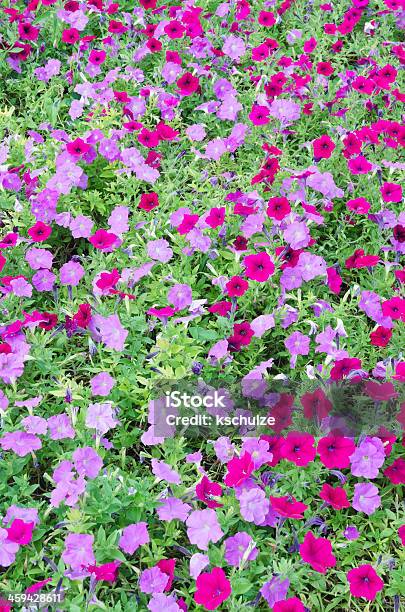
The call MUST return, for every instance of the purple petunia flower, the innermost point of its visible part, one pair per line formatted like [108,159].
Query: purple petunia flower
[297,344]
[254,505]
[160,602]
[203,527]
[368,457]
[163,471]
[234,47]
[173,508]
[20,442]
[39,258]
[240,548]
[87,462]
[101,417]
[71,273]
[159,250]
[180,296]
[197,563]
[297,235]
[60,427]
[102,383]
[275,590]
[8,549]
[81,227]
[44,280]
[35,425]
[78,550]
[366,498]
[153,580]
[351,533]
[133,536]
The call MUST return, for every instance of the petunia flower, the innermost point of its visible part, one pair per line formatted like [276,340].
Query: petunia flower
[368,457]
[293,604]
[239,469]
[275,590]
[364,582]
[335,451]
[213,588]
[240,547]
[366,498]
[288,507]
[299,448]
[203,527]
[78,551]
[8,549]
[334,496]
[317,552]
[133,536]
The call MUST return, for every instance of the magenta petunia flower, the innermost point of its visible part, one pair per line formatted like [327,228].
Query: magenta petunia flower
[20,532]
[207,490]
[288,507]
[258,267]
[299,448]
[317,552]
[364,582]
[213,588]
[335,451]
[293,604]
[334,496]
[239,469]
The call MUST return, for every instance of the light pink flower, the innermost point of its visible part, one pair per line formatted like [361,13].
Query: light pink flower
[203,527]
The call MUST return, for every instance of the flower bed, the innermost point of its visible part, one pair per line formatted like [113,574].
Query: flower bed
[202,306]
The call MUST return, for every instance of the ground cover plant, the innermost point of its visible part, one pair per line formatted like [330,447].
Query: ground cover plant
[202,197]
